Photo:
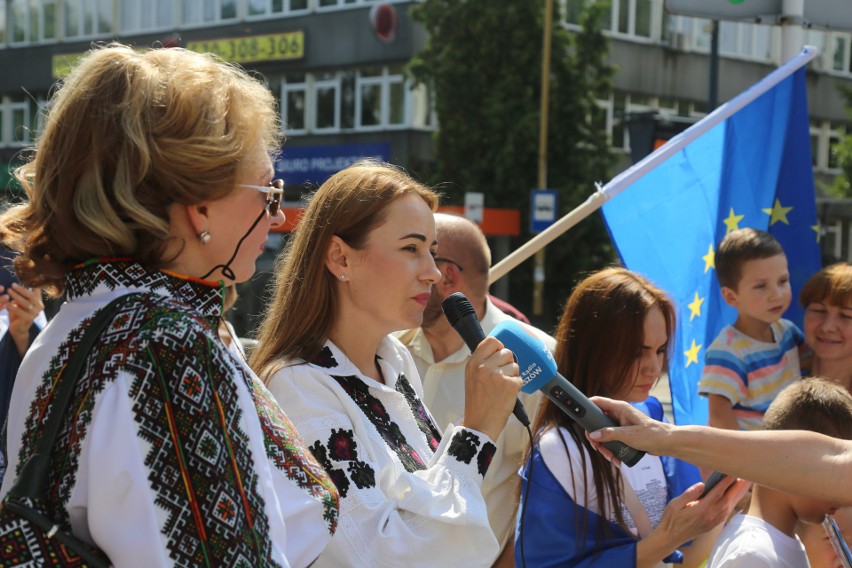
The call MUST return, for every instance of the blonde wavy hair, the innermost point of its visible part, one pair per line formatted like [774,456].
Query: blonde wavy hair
[127,134]
[350,204]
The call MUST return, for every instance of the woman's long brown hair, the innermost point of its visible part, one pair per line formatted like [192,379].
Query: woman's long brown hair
[599,342]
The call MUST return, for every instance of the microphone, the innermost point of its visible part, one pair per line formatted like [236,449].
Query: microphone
[538,371]
[462,317]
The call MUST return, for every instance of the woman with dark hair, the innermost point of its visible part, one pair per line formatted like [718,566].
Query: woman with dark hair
[152,183]
[361,265]
[577,509]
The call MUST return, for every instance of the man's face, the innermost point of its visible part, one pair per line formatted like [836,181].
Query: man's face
[433,312]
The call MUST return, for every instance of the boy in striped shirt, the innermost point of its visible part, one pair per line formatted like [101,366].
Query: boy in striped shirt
[751,361]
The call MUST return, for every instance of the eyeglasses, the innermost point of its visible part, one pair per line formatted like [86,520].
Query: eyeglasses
[448,261]
[274,194]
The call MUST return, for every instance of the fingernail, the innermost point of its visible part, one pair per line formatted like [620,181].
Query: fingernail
[596,435]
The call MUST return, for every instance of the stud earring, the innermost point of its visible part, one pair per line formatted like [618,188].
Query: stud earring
[342,277]
[204,237]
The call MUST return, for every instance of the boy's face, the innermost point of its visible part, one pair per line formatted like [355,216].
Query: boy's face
[763,293]
[812,510]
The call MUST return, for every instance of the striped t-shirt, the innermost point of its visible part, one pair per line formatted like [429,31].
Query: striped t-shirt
[750,373]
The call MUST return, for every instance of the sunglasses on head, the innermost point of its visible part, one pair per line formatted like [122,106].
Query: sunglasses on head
[274,194]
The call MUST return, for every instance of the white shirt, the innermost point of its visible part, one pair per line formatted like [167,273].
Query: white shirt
[405,499]
[646,478]
[751,542]
[443,394]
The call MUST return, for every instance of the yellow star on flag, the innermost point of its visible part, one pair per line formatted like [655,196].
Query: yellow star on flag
[695,307]
[733,221]
[818,231]
[692,354]
[778,213]
[709,259]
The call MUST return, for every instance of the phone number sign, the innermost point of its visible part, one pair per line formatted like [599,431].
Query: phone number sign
[273,47]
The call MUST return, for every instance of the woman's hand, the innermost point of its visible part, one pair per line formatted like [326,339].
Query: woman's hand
[24,305]
[686,518]
[492,383]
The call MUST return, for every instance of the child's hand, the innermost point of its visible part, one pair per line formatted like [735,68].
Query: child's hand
[686,517]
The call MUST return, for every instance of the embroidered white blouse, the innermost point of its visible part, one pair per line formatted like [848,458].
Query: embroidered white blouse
[178,455]
[407,498]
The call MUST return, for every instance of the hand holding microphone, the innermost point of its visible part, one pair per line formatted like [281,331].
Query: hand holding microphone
[488,359]
[538,371]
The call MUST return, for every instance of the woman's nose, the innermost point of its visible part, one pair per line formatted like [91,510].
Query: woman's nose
[278,219]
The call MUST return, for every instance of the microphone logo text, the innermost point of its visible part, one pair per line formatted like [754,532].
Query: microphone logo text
[530,372]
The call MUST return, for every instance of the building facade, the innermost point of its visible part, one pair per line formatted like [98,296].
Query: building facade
[336,67]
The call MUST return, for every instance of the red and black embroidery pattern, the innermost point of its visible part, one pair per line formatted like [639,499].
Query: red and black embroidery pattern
[483,460]
[376,413]
[424,422]
[325,359]
[342,447]
[185,403]
[288,453]
[464,445]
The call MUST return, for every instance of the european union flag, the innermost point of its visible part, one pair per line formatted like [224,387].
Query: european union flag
[752,169]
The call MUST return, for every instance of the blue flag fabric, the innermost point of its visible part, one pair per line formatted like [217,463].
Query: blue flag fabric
[751,170]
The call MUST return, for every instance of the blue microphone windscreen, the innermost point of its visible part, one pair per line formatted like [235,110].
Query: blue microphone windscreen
[534,358]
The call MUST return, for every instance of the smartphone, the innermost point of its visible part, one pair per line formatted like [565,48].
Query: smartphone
[711,482]
[837,541]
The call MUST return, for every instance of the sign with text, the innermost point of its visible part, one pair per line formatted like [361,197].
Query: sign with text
[272,47]
[474,205]
[543,209]
[298,165]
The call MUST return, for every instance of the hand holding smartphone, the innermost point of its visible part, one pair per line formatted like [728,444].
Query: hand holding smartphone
[711,482]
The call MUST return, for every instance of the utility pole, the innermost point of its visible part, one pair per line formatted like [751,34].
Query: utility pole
[538,274]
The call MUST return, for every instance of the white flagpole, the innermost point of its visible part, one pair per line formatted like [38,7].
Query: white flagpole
[651,161]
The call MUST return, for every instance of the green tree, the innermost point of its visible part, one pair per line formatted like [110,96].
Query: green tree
[482,62]
[841,186]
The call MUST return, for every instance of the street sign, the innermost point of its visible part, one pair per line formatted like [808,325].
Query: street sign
[474,206]
[543,210]
[824,14]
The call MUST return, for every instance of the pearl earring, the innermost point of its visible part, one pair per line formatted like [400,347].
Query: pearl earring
[204,237]
[342,277]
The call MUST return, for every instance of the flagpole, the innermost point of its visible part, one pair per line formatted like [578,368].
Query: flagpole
[639,170]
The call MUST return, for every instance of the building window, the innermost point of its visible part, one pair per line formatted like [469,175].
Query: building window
[195,12]
[16,126]
[330,4]
[294,108]
[381,98]
[86,18]
[31,21]
[365,99]
[824,136]
[422,108]
[144,15]
[326,102]
[260,8]
[841,45]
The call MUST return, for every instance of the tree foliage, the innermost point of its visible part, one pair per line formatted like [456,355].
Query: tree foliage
[483,63]
[842,184]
